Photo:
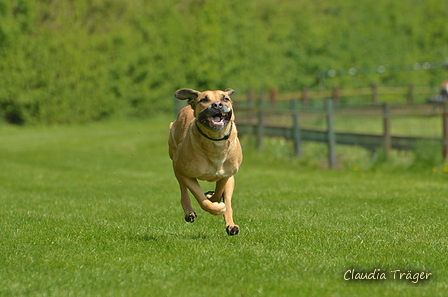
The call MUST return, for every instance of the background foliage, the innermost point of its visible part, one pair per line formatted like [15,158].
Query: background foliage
[78,61]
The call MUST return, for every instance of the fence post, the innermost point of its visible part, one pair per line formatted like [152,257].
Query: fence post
[336,95]
[331,135]
[411,94]
[374,93]
[260,127]
[250,107]
[250,96]
[386,129]
[445,131]
[305,97]
[296,127]
[273,96]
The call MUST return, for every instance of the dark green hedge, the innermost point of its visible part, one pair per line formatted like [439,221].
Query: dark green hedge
[85,60]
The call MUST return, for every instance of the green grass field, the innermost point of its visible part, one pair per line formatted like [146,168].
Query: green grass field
[94,210]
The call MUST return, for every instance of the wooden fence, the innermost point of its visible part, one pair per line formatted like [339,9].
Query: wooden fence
[253,119]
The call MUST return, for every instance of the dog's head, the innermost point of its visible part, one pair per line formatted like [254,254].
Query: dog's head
[212,109]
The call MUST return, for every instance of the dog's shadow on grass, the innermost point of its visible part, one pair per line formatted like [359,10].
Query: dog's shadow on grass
[147,237]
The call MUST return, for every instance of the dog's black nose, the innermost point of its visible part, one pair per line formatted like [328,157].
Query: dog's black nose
[217,105]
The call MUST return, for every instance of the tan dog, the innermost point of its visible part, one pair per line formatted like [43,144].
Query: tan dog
[203,144]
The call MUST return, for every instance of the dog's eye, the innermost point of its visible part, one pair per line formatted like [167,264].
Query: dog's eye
[205,99]
[225,99]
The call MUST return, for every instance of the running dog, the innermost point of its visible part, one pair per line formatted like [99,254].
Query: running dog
[204,145]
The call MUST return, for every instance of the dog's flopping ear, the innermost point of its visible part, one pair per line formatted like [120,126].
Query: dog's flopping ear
[184,94]
[229,91]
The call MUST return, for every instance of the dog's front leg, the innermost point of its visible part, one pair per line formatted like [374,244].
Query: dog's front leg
[194,187]
[190,214]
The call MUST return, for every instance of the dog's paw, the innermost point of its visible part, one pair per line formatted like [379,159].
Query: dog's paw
[191,217]
[209,194]
[215,208]
[233,230]
[218,208]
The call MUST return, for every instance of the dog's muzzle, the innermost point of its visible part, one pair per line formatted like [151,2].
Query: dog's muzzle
[216,116]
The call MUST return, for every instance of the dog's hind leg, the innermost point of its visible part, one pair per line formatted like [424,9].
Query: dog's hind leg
[216,195]
[231,228]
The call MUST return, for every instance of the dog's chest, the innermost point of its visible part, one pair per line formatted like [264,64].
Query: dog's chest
[217,160]
[197,157]
[214,167]
[217,166]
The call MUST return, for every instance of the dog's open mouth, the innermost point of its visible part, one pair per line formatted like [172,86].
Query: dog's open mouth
[219,119]
[216,121]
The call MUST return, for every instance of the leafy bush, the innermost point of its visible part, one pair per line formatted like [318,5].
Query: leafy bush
[79,61]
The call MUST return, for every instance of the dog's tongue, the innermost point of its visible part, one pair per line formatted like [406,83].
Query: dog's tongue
[215,119]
